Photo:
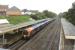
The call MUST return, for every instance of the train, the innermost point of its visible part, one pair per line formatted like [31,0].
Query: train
[31,30]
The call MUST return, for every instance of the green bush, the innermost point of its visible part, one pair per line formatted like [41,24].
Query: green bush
[16,19]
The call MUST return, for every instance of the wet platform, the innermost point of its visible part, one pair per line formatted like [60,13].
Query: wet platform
[67,35]
[68,28]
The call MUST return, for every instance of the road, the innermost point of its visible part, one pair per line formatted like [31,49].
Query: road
[46,39]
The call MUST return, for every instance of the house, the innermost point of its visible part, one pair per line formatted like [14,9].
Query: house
[3,10]
[13,11]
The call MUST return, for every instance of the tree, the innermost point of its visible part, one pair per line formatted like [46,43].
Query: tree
[24,10]
[70,15]
[43,15]
[49,14]
[34,17]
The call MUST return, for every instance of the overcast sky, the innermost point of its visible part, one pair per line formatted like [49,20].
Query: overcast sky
[56,6]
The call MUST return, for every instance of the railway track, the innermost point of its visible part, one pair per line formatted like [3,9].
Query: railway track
[17,45]
[54,43]
[46,39]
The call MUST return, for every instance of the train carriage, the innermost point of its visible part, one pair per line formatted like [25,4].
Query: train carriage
[30,31]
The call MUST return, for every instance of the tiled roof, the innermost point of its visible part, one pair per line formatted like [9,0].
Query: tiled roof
[13,9]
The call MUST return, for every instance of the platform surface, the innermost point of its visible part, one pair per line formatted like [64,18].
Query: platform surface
[69,29]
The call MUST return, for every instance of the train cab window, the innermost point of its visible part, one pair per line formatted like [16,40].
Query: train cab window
[25,32]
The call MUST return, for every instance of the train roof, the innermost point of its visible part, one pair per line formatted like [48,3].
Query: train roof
[39,24]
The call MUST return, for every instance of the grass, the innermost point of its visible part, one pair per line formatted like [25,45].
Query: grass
[16,19]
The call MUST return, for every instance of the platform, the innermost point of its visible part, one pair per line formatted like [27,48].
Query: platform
[69,29]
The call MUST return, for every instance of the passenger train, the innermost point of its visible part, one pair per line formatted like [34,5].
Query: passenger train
[31,30]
